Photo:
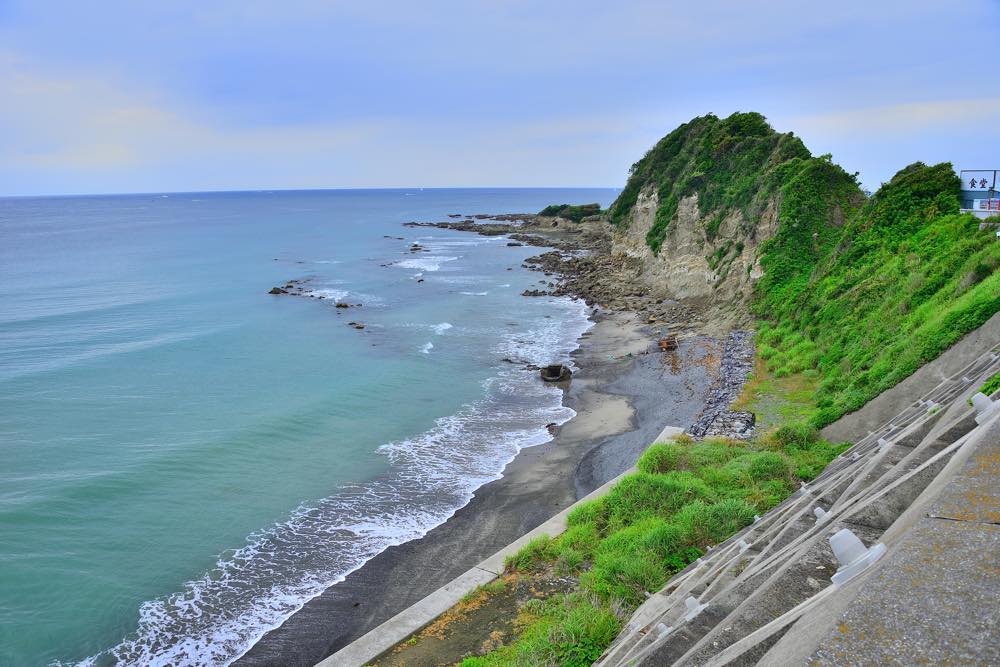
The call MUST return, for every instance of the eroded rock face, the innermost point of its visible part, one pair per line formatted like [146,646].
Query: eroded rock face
[717,270]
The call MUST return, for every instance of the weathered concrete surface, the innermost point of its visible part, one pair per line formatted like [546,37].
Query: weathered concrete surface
[933,603]
[412,619]
[933,598]
[923,484]
[881,409]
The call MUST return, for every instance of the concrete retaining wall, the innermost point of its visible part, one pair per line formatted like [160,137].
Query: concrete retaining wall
[882,408]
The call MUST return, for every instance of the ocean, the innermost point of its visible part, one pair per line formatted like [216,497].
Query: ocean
[187,459]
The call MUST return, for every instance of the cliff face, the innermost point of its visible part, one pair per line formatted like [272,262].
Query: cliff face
[717,274]
[852,293]
[698,206]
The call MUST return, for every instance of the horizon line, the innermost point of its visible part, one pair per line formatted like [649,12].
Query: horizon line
[139,193]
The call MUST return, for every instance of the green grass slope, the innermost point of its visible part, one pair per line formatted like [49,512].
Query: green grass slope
[685,497]
[867,304]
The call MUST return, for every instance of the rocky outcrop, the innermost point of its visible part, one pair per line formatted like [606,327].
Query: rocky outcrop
[714,270]
[556,373]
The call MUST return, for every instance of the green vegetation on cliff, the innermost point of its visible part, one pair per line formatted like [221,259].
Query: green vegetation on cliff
[862,308]
[574,212]
[856,293]
[730,164]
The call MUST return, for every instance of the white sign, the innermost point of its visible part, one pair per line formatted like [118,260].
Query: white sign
[986,204]
[979,180]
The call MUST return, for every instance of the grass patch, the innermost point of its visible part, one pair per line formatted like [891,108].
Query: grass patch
[570,630]
[778,400]
[685,497]
[991,385]
[484,591]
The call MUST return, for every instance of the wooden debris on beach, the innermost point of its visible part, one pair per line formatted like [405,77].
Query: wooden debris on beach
[668,344]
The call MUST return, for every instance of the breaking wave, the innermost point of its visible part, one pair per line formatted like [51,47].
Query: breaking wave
[218,617]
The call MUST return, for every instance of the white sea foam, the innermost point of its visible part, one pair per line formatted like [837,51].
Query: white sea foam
[474,293]
[426,263]
[216,618]
[464,280]
[547,339]
[428,346]
[333,294]
[441,328]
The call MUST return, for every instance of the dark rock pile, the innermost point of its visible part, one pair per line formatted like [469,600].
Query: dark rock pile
[716,419]
[728,424]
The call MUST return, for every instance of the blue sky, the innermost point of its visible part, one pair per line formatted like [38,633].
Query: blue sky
[126,96]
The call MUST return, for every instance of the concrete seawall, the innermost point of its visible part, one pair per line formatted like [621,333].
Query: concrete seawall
[416,617]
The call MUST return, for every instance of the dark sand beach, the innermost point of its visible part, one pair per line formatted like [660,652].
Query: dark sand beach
[625,392]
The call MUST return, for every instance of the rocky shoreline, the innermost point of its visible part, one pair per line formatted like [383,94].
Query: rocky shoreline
[581,266]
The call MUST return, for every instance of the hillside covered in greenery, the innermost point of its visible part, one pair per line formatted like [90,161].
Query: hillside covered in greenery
[737,163]
[857,292]
[901,282]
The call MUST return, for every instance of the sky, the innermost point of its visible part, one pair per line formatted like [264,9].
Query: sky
[134,96]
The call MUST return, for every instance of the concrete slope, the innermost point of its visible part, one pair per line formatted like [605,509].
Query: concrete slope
[766,594]
[880,409]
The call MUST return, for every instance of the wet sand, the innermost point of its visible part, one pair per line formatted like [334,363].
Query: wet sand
[625,393]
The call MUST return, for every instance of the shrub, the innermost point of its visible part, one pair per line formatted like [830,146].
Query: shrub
[576,213]
[532,555]
[659,458]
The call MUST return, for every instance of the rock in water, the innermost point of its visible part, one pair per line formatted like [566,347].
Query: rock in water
[556,373]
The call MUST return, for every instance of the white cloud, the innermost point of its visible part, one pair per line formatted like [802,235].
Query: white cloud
[894,120]
[86,123]
[79,132]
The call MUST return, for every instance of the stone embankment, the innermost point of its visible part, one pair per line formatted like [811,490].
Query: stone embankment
[716,419]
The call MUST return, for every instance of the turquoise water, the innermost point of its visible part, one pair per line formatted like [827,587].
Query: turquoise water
[187,459]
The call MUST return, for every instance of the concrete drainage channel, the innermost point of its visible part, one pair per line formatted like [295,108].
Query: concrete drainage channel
[370,646]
